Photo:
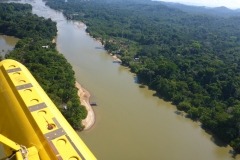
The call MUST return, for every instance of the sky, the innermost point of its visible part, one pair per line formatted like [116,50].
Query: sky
[232,4]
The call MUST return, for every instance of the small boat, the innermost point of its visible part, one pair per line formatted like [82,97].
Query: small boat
[94,104]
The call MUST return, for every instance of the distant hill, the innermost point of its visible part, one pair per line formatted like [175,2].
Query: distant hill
[217,11]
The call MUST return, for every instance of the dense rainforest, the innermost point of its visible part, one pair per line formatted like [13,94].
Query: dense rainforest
[217,11]
[189,59]
[47,65]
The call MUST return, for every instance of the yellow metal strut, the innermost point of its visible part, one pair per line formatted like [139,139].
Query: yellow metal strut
[29,117]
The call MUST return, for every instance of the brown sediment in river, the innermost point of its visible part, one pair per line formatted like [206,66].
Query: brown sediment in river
[84,96]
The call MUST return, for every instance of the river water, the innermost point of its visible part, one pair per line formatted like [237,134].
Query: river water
[7,44]
[131,121]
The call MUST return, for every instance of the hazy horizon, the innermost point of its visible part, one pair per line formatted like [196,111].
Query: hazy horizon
[232,4]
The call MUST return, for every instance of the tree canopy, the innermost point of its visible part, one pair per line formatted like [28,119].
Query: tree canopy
[190,59]
[47,65]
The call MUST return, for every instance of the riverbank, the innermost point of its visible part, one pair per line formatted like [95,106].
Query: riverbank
[81,25]
[116,59]
[54,40]
[84,96]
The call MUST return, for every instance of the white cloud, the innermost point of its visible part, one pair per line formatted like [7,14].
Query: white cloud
[233,4]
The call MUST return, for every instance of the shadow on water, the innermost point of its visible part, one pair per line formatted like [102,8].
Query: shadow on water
[101,48]
[142,84]
[116,61]
[185,115]
[189,117]
[233,153]
[180,113]
[160,96]
[136,80]
[214,138]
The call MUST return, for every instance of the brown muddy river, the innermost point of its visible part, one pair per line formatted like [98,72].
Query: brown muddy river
[131,122]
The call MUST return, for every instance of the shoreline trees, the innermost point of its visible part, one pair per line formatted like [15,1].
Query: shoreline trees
[47,65]
[189,59]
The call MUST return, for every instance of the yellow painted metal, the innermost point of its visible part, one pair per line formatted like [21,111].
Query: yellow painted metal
[30,127]
[33,153]
[9,143]
[19,156]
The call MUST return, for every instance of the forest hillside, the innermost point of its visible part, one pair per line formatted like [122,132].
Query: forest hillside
[189,59]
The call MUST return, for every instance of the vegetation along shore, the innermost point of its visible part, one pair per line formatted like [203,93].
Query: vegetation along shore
[49,67]
[84,96]
[188,58]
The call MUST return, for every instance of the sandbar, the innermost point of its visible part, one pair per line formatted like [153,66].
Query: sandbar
[84,96]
